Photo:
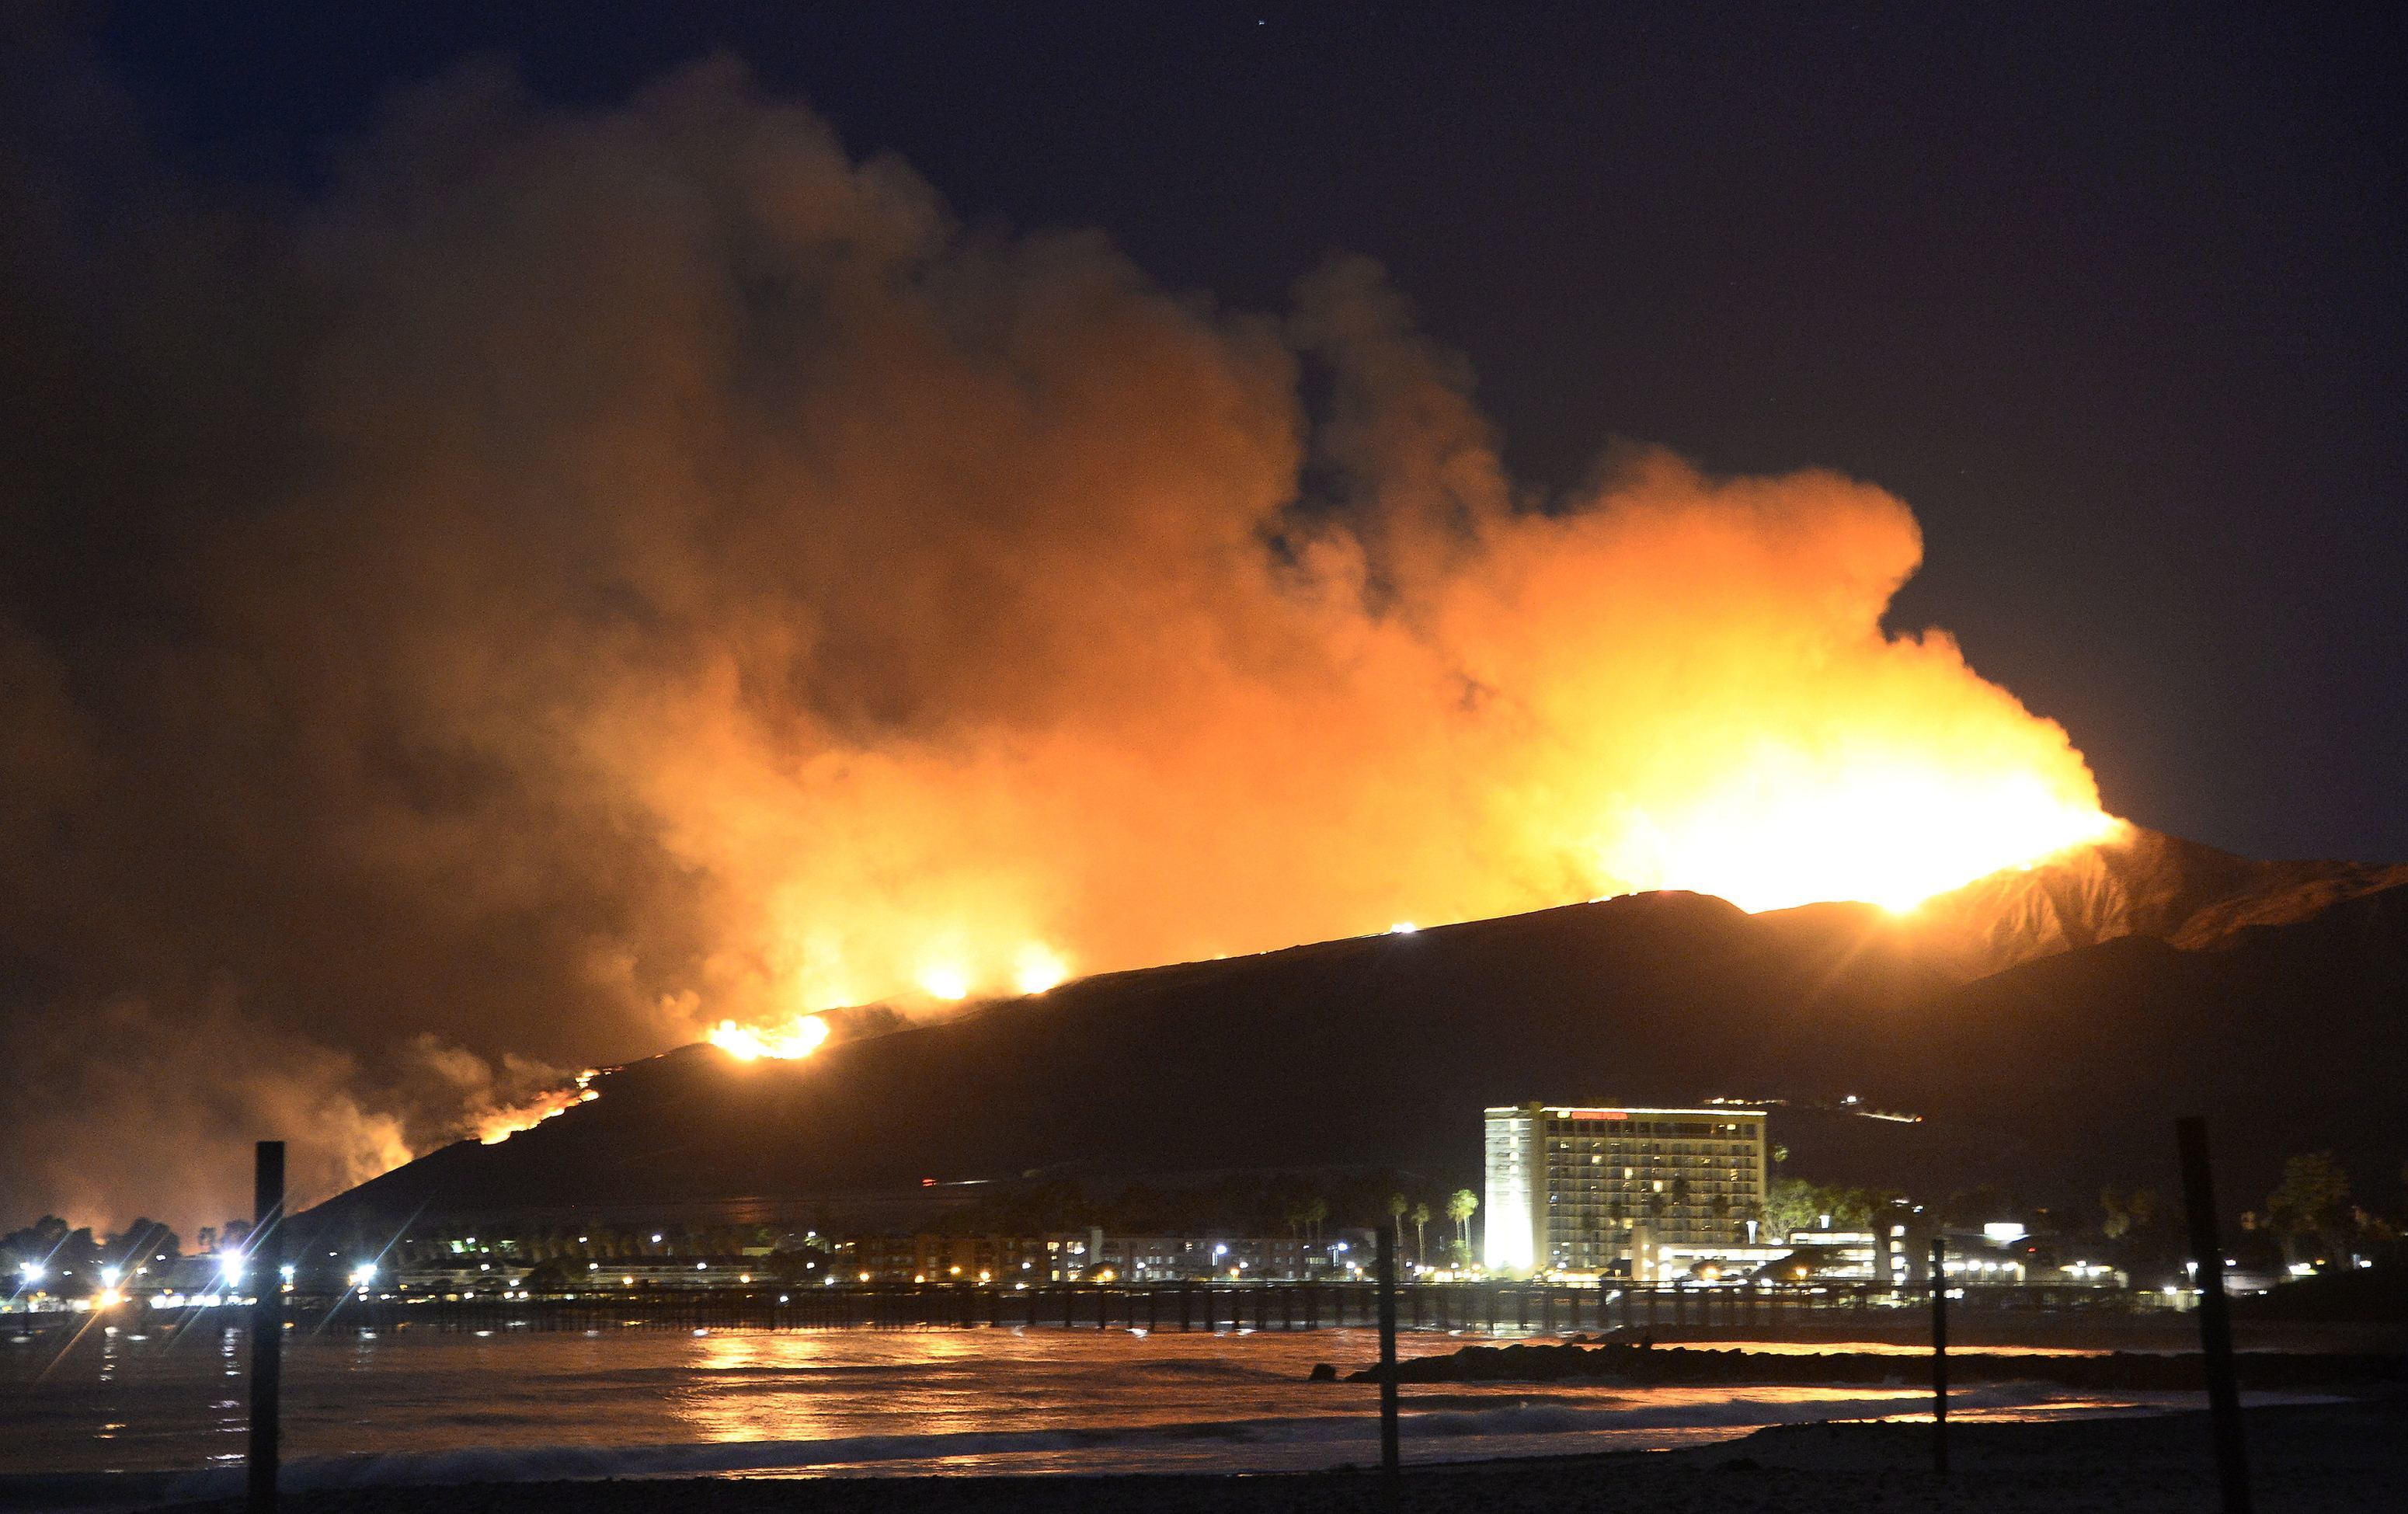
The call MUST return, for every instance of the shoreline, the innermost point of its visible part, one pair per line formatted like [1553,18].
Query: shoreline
[1587,1359]
[1896,1330]
[2342,1456]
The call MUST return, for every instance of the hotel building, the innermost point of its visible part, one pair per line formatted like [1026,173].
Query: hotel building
[1600,1190]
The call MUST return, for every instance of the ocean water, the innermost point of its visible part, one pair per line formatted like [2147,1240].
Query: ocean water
[165,1410]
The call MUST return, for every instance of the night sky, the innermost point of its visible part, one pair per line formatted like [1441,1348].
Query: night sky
[2112,298]
[535,534]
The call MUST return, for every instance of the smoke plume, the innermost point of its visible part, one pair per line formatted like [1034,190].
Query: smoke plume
[583,575]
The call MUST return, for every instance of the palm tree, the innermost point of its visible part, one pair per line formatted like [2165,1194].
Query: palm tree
[1460,1207]
[2312,1204]
[1420,1217]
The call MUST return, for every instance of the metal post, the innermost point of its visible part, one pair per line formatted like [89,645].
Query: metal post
[1939,1356]
[1388,1458]
[2214,1324]
[266,1268]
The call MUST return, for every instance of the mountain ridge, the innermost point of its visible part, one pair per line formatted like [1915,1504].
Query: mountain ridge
[2137,882]
[2271,998]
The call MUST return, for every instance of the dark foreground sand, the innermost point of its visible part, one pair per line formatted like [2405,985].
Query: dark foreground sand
[2336,1458]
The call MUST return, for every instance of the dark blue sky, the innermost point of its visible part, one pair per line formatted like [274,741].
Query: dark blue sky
[2113,299]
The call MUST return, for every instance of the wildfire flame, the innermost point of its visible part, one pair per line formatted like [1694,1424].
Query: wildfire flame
[798,1038]
[1891,832]
[501,1124]
[945,981]
[1684,684]
[1038,970]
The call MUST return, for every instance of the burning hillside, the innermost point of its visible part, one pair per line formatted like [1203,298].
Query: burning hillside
[677,578]
[1380,1052]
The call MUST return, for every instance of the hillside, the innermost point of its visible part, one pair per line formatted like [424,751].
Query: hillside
[2051,1077]
[2144,883]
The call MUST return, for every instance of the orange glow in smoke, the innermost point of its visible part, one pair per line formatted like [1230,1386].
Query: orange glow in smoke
[1685,683]
[1885,828]
[945,981]
[1038,969]
[501,1124]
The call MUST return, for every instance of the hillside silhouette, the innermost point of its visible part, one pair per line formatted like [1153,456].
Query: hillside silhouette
[2269,996]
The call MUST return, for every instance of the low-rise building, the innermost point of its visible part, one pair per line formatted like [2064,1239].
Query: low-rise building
[1247,1259]
[1093,1255]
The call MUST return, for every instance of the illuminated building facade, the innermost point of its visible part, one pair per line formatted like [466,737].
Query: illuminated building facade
[1598,1191]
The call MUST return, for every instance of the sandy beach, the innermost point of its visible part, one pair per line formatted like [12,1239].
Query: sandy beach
[2334,1458]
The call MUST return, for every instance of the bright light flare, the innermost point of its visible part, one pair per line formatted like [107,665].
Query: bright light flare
[798,1038]
[1038,969]
[945,981]
[1788,832]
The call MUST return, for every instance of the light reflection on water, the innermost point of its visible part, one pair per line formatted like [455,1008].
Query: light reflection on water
[634,1402]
